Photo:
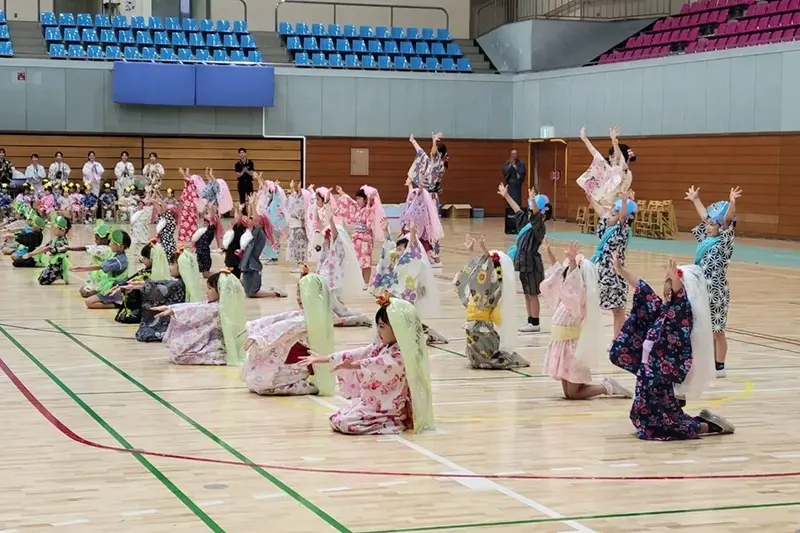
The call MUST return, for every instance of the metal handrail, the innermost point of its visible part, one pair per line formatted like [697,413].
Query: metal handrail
[244,5]
[352,4]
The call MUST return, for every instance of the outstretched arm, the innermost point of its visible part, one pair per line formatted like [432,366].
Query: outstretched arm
[620,269]
[502,190]
[588,143]
[736,192]
[693,195]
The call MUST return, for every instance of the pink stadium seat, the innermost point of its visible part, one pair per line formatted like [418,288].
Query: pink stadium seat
[783,6]
[694,20]
[774,21]
[796,19]
[659,24]
[692,47]
[754,24]
[637,54]
[786,20]
[703,20]
[758,9]
[788,35]
[794,5]
[722,43]
[685,8]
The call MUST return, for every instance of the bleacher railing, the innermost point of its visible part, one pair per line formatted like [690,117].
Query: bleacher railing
[495,13]
[391,9]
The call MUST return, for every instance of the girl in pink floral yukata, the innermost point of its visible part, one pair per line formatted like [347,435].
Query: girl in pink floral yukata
[388,382]
[366,215]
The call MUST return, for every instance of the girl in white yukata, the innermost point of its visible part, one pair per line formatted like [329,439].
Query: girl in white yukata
[141,220]
[570,290]
[366,215]
[271,203]
[124,172]
[208,333]
[605,179]
[93,174]
[388,382]
[427,171]
[316,220]
[276,343]
[715,235]
[298,203]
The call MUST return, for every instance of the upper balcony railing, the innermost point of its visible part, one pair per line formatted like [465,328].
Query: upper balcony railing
[390,9]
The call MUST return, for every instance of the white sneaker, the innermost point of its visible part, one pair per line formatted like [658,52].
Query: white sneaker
[721,373]
[617,389]
[365,287]
[530,328]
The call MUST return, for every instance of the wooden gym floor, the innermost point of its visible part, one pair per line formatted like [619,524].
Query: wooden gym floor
[76,391]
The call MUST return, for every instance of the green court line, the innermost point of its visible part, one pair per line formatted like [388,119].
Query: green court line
[464,357]
[587,518]
[212,525]
[222,444]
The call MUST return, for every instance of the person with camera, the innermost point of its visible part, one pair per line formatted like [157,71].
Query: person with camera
[59,170]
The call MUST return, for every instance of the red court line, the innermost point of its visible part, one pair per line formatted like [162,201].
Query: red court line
[67,432]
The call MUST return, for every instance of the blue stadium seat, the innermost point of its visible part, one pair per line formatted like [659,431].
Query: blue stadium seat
[113,53]
[220,56]
[254,56]
[190,25]
[102,21]
[71,35]
[431,63]
[179,39]
[149,54]
[52,34]
[161,38]
[206,25]
[48,19]
[443,35]
[448,64]
[94,51]
[342,45]
[138,23]
[437,49]
[412,34]
[368,62]
[285,29]
[427,34]
[120,22]
[126,37]
[416,63]
[237,56]
[224,26]
[229,41]
[58,51]
[365,32]
[156,23]
[374,47]
[240,27]
[464,65]
[132,53]
[3,19]
[6,49]
[172,24]
[335,61]
[318,60]
[384,62]
[318,30]
[351,61]
[398,34]
[201,54]
[213,40]
[310,43]
[108,37]
[326,44]
[143,38]
[382,32]
[454,50]
[301,60]
[401,63]
[359,47]
[66,19]
[76,51]
[422,49]
[293,43]
[302,29]
[390,47]
[185,55]
[196,40]
[168,54]
[350,31]
[89,35]
[4,35]
[334,30]
[406,48]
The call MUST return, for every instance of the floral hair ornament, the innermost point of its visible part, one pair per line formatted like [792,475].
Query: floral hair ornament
[154,240]
[631,155]
[497,267]
[304,271]
[680,273]
[383,299]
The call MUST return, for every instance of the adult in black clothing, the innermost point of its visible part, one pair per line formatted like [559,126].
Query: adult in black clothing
[6,168]
[244,176]
[514,176]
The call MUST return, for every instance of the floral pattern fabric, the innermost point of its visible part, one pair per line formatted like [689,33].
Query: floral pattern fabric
[613,290]
[362,220]
[194,335]
[296,240]
[188,213]
[715,269]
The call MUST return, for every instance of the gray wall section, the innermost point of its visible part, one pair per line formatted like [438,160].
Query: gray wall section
[539,45]
[747,90]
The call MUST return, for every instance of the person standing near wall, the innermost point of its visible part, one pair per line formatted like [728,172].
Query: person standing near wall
[35,174]
[244,175]
[6,168]
[59,171]
[514,175]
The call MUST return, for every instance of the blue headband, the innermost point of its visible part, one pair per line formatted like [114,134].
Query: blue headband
[632,208]
[717,211]
[541,201]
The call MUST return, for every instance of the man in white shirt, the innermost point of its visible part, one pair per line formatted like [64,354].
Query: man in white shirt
[59,171]
[35,174]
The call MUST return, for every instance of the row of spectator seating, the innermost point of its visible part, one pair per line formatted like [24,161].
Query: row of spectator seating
[148,53]
[352,61]
[712,5]
[690,21]
[374,46]
[120,22]
[6,48]
[620,56]
[658,39]
[739,41]
[395,33]
[771,8]
[145,38]
[787,20]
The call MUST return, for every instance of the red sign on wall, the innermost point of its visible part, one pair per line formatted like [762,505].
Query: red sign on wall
[20,76]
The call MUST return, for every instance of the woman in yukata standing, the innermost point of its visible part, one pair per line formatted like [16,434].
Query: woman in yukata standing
[427,171]
[271,203]
[366,215]
[387,382]
[298,204]
[124,173]
[153,173]
[93,174]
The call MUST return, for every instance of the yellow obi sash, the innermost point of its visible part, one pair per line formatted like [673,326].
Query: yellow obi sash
[564,333]
[482,315]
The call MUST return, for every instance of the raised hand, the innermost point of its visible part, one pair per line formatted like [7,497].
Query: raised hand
[693,193]
[736,193]
[613,132]
[672,270]
[482,244]
[411,138]
[293,186]
[338,190]
[408,183]
[572,252]
[469,242]
[583,132]
[502,190]
[532,192]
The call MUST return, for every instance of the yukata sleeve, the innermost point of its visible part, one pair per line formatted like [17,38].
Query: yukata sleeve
[671,355]
[350,355]
[626,350]
[521,219]
[699,232]
[388,357]
[726,237]
[573,294]
[484,284]
[345,208]
[461,281]
[112,265]
[551,286]
[194,314]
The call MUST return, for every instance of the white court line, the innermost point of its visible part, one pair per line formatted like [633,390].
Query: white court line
[680,462]
[461,470]
[269,496]
[70,522]
[80,367]
[787,456]
[333,489]
[140,513]
[622,465]
[393,483]
[210,503]
[734,459]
